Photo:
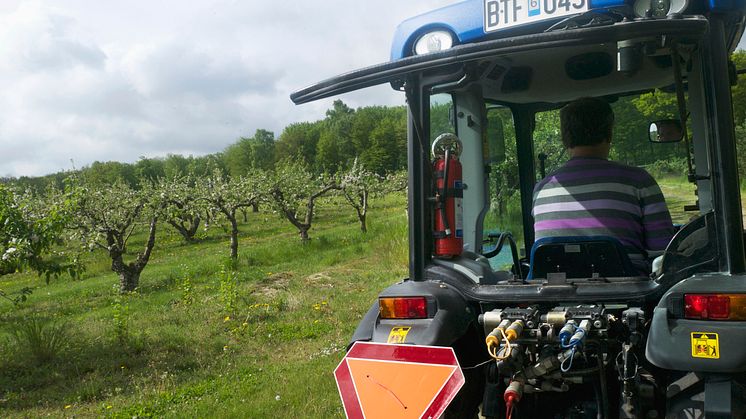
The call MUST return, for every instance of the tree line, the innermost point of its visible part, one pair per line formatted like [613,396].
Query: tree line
[375,136]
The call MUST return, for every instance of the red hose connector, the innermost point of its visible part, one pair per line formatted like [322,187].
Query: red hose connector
[512,396]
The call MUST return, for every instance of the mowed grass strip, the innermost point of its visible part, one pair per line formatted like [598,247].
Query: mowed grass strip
[199,339]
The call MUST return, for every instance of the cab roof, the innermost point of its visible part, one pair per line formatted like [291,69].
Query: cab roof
[545,67]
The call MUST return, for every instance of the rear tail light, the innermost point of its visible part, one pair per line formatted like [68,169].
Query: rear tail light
[715,306]
[403,307]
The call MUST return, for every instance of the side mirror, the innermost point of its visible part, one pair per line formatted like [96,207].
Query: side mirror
[665,131]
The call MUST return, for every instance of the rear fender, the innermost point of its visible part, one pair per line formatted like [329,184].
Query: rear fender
[670,342]
[450,317]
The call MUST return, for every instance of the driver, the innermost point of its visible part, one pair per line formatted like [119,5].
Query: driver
[669,131]
[592,196]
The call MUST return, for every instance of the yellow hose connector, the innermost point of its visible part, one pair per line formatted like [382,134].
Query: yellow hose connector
[514,330]
[500,334]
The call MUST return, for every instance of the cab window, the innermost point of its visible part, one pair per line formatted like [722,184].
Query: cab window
[504,213]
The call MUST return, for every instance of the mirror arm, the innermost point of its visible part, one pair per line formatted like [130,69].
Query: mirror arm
[681,102]
[448,87]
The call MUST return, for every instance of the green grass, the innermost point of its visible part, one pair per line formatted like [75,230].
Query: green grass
[678,193]
[261,343]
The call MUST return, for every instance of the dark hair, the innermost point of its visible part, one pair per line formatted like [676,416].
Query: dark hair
[586,121]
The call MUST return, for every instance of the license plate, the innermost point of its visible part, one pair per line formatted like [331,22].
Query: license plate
[501,14]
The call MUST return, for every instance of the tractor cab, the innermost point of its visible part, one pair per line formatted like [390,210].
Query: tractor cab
[572,325]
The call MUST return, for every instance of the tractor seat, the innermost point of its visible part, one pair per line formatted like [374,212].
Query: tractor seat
[580,257]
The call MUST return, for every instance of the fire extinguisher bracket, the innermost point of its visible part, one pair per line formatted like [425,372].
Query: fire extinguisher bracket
[446,142]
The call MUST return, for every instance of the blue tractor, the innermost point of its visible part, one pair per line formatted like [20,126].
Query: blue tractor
[564,328]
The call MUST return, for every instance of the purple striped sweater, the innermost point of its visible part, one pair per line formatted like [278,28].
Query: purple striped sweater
[597,197]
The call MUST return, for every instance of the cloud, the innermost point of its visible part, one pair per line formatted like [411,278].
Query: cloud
[34,41]
[68,97]
[115,83]
[174,70]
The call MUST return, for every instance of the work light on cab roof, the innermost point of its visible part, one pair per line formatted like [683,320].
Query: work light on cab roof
[659,8]
[434,41]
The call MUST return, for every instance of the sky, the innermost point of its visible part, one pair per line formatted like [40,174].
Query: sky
[86,81]
[109,80]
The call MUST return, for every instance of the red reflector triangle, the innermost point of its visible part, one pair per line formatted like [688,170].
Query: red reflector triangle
[397,389]
[397,381]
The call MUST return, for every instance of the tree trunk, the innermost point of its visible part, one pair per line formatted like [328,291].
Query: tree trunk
[304,234]
[306,225]
[187,233]
[129,278]
[255,207]
[128,281]
[234,237]
[499,198]
[362,216]
[143,258]
[193,229]
[129,274]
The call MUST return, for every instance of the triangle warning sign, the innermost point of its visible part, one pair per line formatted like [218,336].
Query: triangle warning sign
[398,389]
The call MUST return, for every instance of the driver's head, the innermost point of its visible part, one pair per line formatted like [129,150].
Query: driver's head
[669,131]
[586,122]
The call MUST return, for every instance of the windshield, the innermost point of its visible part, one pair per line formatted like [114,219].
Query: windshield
[665,162]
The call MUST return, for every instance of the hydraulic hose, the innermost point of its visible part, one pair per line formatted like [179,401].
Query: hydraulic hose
[599,407]
[604,391]
[513,250]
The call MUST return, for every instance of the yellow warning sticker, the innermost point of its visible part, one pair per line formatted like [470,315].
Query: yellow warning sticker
[705,345]
[398,334]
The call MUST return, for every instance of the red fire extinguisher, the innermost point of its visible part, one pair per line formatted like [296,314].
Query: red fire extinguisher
[449,219]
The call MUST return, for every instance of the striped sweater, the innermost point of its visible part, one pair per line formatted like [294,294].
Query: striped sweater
[596,197]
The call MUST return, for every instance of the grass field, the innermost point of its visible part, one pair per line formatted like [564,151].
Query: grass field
[678,193]
[199,340]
